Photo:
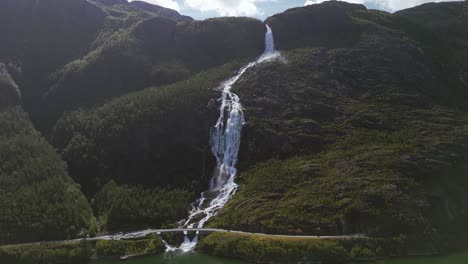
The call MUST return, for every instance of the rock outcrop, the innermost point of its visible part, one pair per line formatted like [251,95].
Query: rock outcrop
[165,12]
[9,91]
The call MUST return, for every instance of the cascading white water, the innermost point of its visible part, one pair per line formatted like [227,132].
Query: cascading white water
[225,142]
[186,246]
[269,42]
[189,245]
[169,248]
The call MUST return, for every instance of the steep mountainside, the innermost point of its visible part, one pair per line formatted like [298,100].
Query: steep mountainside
[165,12]
[442,29]
[155,51]
[61,55]
[158,136]
[71,53]
[356,134]
[39,201]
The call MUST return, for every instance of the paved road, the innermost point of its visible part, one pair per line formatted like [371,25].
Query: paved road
[137,234]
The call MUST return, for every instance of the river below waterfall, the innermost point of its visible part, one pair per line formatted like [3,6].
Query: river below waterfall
[194,258]
[172,258]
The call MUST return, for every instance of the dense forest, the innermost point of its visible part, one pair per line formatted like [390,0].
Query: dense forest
[39,199]
[106,109]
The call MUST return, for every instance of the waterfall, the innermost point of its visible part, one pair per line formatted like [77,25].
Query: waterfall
[186,246]
[169,248]
[269,42]
[225,142]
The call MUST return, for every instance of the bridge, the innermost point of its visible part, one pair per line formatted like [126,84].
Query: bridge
[143,233]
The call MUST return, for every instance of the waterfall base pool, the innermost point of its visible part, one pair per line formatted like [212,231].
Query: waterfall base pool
[174,258]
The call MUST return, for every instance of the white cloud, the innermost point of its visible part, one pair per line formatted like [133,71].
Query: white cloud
[388,5]
[172,4]
[227,7]
[311,2]
[251,7]
[395,5]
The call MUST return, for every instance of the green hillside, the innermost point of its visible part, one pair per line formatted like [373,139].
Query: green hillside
[353,137]
[360,127]
[39,201]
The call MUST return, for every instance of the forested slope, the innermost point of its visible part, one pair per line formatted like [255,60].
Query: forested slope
[39,201]
[71,53]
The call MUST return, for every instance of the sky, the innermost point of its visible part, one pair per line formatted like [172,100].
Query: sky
[201,9]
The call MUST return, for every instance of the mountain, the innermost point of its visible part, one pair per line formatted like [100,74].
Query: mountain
[73,53]
[155,51]
[63,55]
[360,127]
[360,132]
[165,12]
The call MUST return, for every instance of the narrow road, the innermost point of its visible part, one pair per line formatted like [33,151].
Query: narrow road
[143,233]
